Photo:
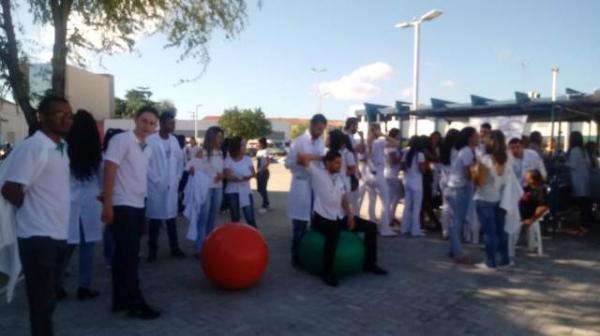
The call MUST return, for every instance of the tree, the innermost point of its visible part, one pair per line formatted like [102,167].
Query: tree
[245,123]
[297,130]
[187,24]
[138,98]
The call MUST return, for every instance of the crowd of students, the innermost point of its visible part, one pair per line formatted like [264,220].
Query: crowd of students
[66,186]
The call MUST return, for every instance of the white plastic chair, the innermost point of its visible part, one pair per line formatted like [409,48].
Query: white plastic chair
[534,238]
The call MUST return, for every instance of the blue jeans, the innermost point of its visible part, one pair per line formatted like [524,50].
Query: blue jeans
[208,216]
[299,229]
[234,209]
[459,199]
[492,218]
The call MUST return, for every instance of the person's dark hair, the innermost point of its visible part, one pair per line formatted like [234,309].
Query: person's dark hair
[318,119]
[486,125]
[46,103]
[439,136]
[210,138]
[447,145]
[416,146]
[575,140]
[225,147]
[515,141]
[393,133]
[495,145]
[235,146]
[351,122]
[535,138]
[166,116]
[464,137]
[331,155]
[263,142]
[336,140]
[147,109]
[110,133]
[84,148]
[536,176]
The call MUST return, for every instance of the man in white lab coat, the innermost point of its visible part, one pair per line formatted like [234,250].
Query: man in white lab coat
[301,194]
[525,160]
[164,172]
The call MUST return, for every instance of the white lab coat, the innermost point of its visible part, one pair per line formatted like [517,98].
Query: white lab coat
[163,178]
[531,160]
[195,195]
[86,210]
[511,195]
[580,167]
[299,201]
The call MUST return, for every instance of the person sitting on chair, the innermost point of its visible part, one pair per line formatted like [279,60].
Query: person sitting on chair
[534,203]
[332,213]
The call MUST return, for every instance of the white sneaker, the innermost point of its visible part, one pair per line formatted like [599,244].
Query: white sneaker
[484,266]
[387,233]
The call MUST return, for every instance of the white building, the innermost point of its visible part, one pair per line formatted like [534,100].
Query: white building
[13,127]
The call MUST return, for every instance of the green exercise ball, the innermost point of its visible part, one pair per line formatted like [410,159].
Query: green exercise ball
[349,255]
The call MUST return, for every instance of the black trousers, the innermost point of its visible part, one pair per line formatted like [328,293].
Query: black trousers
[126,230]
[41,259]
[262,179]
[153,233]
[331,230]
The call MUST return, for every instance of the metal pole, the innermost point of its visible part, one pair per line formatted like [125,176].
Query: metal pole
[415,97]
[554,81]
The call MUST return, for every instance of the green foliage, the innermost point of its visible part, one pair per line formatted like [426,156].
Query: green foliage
[298,130]
[245,123]
[138,98]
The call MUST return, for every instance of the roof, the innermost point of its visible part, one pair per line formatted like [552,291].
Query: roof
[291,121]
[572,107]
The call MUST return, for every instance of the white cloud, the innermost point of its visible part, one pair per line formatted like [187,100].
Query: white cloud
[407,92]
[353,108]
[360,83]
[448,83]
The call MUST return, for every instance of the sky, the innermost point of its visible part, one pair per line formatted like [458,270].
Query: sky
[488,48]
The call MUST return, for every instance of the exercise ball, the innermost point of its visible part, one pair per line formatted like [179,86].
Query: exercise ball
[349,254]
[234,256]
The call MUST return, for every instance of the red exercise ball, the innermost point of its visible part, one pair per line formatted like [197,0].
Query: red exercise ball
[234,256]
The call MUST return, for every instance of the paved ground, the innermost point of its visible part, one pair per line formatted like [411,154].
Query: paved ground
[425,294]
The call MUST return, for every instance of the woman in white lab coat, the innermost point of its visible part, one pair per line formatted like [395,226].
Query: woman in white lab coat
[414,166]
[580,167]
[447,155]
[85,227]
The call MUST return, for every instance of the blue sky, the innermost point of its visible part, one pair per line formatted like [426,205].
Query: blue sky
[490,48]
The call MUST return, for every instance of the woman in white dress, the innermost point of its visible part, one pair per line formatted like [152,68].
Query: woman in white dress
[239,170]
[85,227]
[580,167]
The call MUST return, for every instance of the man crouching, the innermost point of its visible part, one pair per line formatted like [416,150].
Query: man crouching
[332,212]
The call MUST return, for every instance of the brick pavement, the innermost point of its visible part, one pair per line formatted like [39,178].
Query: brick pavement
[425,294]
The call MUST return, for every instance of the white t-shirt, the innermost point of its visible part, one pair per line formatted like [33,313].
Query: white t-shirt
[240,169]
[328,192]
[413,177]
[166,143]
[125,150]
[491,190]
[377,155]
[213,166]
[46,207]
[392,170]
[263,157]
[458,178]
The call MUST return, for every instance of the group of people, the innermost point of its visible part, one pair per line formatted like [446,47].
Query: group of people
[71,189]
[486,185]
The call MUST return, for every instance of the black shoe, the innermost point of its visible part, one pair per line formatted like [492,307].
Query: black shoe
[118,308]
[86,293]
[151,257]
[144,313]
[177,253]
[376,270]
[330,280]
[61,294]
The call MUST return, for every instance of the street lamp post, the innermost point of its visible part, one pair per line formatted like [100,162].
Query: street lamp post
[320,94]
[416,23]
[196,121]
